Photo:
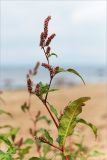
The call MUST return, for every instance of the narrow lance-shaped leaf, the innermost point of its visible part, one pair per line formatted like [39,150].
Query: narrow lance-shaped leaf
[11,148]
[71,70]
[4,112]
[52,90]
[6,126]
[46,134]
[93,127]
[28,141]
[36,158]
[14,131]
[48,121]
[53,110]
[68,120]
[24,107]
[5,140]
[53,54]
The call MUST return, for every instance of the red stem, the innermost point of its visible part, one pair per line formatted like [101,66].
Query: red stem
[50,113]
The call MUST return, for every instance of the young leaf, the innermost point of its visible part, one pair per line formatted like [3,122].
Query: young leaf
[53,54]
[14,131]
[25,150]
[75,72]
[53,110]
[93,127]
[5,156]
[45,119]
[46,134]
[96,154]
[5,140]
[28,141]
[6,126]
[4,112]
[52,90]
[24,107]
[11,149]
[43,88]
[71,70]
[68,120]
[35,158]
[46,149]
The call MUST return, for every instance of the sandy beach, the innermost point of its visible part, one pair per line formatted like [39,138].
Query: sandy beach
[95,110]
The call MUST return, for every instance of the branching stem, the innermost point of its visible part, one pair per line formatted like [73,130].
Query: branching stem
[44,102]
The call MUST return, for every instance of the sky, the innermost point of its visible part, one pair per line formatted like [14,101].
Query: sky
[80,27]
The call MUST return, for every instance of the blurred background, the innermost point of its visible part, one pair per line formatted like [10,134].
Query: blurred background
[80,43]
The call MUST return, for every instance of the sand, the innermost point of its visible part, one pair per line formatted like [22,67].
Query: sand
[95,111]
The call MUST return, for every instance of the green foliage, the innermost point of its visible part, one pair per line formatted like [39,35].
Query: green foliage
[36,158]
[53,110]
[6,113]
[93,127]
[45,118]
[5,140]
[28,141]
[14,131]
[11,149]
[46,134]
[46,149]
[71,70]
[24,151]
[24,107]
[53,54]
[95,153]
[6,126]
[52,90]
[68,120]
[43,88]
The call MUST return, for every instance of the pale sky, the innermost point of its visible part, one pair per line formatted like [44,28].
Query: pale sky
[80,27]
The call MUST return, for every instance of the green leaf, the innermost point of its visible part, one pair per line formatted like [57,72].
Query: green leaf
[96,154]
[34,158]
[5,156]
[46,134]
[6,126]
[14,131]
[52,90]
[93,127]
[45,119]
[28,141]
[4,112]
[71,70]
[70,157]
[25,150]
[53,110]
[6,140]
[46,149]
[68,120]
[11,149]
[24,107]
[43,88]
[53,54]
